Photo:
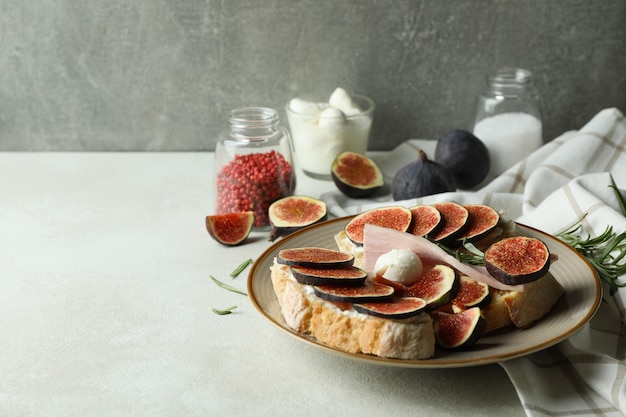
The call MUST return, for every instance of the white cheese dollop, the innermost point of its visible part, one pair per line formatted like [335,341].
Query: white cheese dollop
[399,265]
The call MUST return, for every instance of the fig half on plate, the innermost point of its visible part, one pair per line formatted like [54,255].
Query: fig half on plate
[517,260]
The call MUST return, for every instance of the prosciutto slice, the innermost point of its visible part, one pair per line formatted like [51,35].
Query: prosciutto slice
[378,240]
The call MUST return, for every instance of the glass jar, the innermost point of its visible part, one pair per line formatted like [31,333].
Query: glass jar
[253,164]
[508,118]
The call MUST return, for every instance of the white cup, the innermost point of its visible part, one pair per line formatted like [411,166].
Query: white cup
[322,132]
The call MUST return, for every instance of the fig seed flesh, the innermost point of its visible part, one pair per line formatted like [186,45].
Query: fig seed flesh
[230,229]
[290,214]
[368,292]
[399,308]
[517,260]
[330,276]
[356,175]
[454,221]
[426,220]
[320,258]
[459,330]
[393,217]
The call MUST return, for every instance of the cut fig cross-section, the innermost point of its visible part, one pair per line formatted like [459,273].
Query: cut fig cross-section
[437,286]
[290,214]
[517,260]
[356,175]
[459,330]
[454,221]
[426,220]
[398,308]
[481,221]
[230,229]
[349,276]
[393,217]
[314,257]
[471,294]
[368,292]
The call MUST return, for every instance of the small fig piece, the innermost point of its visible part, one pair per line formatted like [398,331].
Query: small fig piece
[421,178]
[290,214]
[426,220]
[517,260]
[437,286]
[230,229]
[398,308]
[356,175]
[465,156]
[393,217]
[349,276]
[368,292]
[454,221]
[471,294]
[481,221]
[459,330]
[320,258]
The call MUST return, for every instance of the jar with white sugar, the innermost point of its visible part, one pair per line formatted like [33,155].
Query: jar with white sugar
[508,118]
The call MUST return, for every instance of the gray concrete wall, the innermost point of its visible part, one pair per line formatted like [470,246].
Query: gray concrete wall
[163,74]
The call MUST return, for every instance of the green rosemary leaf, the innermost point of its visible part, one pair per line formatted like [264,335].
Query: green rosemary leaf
[228,287]
[241,268]
[224,311]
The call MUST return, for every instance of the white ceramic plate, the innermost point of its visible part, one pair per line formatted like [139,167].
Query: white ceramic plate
[583,293]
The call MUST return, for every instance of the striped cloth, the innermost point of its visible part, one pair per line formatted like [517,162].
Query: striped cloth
[584,375]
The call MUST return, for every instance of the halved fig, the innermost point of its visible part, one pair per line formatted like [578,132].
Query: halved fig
[230,229]
[426,220]
[459,330]
[368,292]
[290,214]
[349,276]
[481,221]
[454,221]
[471,294]
[356,175]
[391,217]
[398,308]
[437,286]
[517,260]
[320,258]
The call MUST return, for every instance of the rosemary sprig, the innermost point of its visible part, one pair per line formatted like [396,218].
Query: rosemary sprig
[241,268]
[605,252]
[228,287]
[225,311]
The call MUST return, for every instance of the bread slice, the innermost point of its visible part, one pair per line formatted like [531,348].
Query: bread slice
[341,327]
[518,308]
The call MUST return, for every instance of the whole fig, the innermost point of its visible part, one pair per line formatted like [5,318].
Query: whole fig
[465,156]
[420,178]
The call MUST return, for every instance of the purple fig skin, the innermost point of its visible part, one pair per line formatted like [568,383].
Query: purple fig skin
[465,156]
[421,178]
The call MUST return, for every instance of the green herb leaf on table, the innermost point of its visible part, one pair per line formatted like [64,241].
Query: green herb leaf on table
[241,268]
[228,287]
[225,311]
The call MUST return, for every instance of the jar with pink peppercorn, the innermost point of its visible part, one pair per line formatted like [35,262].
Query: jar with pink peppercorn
[253,162]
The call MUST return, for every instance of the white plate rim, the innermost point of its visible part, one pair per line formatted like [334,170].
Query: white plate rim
[259,280]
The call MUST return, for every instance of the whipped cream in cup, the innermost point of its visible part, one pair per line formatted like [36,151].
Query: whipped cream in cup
[322,130]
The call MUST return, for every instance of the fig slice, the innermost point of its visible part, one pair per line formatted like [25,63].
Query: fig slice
[230,229]
[437,286]
[356,175]
[319,258]
[349,276]
[398,308]
[454,221]
[471,294]
[290,214]
[391,217]
[368,292]
[426,220]
[517,260]
[459,330]
[481,221]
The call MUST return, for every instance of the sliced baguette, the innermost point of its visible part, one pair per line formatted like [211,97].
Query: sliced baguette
[341,327]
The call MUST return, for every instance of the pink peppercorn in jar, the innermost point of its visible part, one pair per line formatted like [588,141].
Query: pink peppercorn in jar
[253,162]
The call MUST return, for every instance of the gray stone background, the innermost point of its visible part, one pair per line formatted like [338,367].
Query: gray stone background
[152,75]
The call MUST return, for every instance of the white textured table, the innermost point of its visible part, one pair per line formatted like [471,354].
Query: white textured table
[105,307]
